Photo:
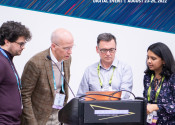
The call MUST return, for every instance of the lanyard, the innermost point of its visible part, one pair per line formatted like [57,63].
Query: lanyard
[110,81]
[62,79]
[157,91]
[17,78]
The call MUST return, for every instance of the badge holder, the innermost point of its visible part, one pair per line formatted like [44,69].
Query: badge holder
[149,118]
[59,101]
[152,118]
[107,88]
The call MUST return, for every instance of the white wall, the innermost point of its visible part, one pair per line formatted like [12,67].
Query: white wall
[132,43]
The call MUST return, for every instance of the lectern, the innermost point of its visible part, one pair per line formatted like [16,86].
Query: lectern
[119,112]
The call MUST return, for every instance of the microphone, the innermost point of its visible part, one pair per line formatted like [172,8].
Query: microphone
[61,75]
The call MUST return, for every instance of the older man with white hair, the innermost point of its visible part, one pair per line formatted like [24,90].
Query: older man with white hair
[44,87]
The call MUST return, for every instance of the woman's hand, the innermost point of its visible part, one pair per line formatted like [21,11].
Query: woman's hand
[151,108]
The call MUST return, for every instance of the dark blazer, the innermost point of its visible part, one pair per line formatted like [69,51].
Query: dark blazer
[38,89]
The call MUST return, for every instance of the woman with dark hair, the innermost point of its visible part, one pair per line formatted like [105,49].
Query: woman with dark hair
[159,85]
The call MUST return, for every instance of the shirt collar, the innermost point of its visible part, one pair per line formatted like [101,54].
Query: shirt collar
[114,63]
[53,57]
[8,54]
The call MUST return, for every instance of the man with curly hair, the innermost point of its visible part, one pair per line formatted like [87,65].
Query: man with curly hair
[13,37]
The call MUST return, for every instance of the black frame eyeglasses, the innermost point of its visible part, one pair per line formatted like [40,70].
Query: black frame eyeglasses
[21,44]
[111,50]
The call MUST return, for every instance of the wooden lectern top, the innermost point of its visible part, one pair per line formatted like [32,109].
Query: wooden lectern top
[102,95]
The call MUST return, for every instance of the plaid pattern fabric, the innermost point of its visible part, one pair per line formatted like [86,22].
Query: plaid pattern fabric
[53,119]
[38,89]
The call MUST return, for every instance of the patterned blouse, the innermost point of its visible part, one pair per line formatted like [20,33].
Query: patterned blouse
[165,100]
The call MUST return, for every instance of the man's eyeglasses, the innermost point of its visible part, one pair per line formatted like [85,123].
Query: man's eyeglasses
[22,44]
[111,50]
[65,48]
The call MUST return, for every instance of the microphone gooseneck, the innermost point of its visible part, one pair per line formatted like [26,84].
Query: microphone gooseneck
[61,75]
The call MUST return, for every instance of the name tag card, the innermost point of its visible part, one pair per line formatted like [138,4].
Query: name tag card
[59,101]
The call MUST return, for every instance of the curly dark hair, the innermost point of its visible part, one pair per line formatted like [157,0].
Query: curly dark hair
[162,50]
[11,31]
